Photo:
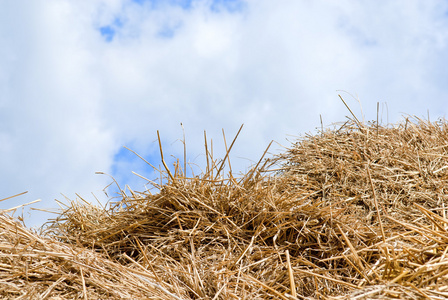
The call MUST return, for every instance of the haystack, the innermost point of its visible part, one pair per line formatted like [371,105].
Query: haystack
[358,211]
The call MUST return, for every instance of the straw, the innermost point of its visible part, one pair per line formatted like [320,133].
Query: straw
[346,213]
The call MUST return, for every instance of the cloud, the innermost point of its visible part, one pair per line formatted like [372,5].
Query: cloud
[50,118]
[81,79]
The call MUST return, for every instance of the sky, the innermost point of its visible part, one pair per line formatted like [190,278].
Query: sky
[81,79]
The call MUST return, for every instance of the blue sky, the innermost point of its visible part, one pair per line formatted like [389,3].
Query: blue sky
[81,79]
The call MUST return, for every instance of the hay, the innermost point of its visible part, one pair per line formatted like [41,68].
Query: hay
[356,212]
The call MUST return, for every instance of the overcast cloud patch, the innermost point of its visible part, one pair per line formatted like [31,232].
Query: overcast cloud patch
[168,31]
[155,4]
[231,6]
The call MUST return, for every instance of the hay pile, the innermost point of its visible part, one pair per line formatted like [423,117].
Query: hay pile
[359,211]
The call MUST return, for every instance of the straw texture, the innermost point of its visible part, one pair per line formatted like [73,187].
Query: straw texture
[358,211]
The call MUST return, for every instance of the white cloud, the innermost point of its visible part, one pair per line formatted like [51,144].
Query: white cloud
[71,99]
[51,107]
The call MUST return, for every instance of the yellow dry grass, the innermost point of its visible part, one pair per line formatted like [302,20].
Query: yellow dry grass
[359,212]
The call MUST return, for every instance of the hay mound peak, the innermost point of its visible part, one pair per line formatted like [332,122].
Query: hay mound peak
[357,211]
